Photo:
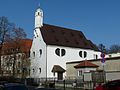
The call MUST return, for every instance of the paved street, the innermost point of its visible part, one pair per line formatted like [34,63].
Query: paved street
[34,88]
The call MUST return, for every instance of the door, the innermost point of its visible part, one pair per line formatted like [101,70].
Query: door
[60,76]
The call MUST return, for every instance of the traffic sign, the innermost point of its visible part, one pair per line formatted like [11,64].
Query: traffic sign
[103,57]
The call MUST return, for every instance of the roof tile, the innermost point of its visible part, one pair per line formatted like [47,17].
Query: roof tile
[24,46]
[54,35]
[85,64]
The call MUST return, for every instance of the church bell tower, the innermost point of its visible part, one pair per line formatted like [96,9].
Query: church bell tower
[38,21]
[38,18]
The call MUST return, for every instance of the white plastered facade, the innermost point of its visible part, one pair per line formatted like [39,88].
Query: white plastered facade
[43,57]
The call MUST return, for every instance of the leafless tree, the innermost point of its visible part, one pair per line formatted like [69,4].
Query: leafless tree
[102,48]
[12,44]
[17,40]
[5,27]
[114,48]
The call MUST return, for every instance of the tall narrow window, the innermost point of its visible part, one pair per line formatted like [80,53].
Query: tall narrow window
[40,52]
[33,54]
[40,70]
[80,73]
[96,56]
[38,13]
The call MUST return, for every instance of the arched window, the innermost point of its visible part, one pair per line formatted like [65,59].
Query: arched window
[60,52]
[85,54]
[63,52]
[80,54]
[96,56]
[40,70]
[38,13]
[57,51]
[40,52]
[33,54]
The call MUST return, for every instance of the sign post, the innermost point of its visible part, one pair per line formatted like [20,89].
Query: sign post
[103,58]
[103,63]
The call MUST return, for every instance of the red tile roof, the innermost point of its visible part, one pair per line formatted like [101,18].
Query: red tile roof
[85,64]
[24,45]
[107,59]
[54,35]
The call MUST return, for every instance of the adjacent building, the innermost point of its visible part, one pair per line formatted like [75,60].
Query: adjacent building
[15,58]
[78,69]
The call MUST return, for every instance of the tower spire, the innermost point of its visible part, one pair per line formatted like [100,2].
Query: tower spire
[38,5]
[38,17]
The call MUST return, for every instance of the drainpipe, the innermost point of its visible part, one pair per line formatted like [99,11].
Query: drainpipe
[46,63]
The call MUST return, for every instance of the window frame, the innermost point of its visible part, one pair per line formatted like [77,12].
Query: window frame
[83,54]
[60,52]
[80,73]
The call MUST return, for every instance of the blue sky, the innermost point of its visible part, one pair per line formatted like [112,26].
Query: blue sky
[99,20]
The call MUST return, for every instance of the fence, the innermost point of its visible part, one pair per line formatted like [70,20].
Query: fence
[68,84]
[73,84]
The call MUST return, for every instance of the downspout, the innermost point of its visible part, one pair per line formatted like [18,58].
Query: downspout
[46,62]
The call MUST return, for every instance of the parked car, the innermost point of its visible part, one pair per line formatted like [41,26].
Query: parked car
[45,89]
[112,85]
[13,86]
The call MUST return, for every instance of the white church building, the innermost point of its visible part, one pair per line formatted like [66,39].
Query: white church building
[53,46]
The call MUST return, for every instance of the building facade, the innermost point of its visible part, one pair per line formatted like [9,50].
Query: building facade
[15,58]
[53,46]
[111,68]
